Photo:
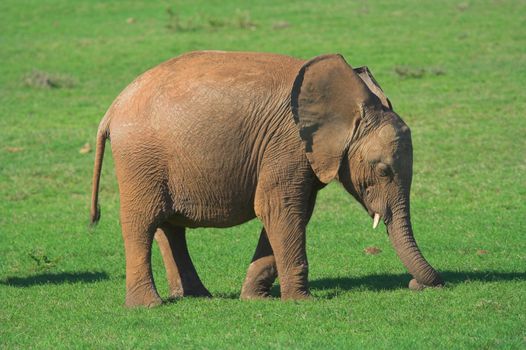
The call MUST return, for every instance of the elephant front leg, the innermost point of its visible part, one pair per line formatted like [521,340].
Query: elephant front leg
[288,244]
[262,272]
[181,274]
[285,227]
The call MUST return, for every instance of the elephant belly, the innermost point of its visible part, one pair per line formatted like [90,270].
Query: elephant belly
[212,179]
[207,215]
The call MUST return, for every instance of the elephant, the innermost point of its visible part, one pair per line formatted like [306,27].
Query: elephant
[215,139]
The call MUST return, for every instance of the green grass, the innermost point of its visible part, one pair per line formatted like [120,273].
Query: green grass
[455,73]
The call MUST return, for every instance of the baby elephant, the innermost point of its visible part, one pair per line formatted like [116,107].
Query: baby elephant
[214,139]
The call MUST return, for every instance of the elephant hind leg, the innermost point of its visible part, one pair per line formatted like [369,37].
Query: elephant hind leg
[262,272]
[140,287]
[145,203]
[181,274]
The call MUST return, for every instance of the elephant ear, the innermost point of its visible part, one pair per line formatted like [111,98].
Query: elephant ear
[327,102]
[365,74]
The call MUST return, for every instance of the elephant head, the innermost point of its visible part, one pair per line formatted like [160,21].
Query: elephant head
[351,133]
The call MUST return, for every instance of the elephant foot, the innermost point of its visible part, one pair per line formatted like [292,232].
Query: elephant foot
[195,293]
[294,285]
[248,296]
[299,295]
[144,299]
[417,286]
[260,277]
[256,289]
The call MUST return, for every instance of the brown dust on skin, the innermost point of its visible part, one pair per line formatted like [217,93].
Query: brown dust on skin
[214,139]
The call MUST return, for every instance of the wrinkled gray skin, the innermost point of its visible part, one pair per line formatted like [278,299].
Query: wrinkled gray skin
[215,139]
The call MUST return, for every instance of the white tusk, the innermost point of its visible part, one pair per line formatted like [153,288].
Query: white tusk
[376,220]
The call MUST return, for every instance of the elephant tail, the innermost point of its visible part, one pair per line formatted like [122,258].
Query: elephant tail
[102,135]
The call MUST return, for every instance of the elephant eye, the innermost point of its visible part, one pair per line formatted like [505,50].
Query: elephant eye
[383,169]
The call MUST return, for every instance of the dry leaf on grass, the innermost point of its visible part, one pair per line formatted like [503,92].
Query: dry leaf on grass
[14,149]
[85,149]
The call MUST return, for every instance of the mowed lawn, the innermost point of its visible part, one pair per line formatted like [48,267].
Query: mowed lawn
[454,70]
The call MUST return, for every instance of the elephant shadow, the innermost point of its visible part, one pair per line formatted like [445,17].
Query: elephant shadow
[331,287]
[400,281]
[56,278]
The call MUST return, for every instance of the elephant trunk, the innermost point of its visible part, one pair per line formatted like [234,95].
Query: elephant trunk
[401,236]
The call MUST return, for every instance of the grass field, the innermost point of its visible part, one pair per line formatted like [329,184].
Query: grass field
[455,71]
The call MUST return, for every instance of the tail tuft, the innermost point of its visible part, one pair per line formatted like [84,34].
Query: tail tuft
[94,217]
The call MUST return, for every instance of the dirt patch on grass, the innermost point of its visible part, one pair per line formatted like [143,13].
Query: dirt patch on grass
[179,22]
[372,250]
[14,149]
[44,80]
[280,25]
[418,72]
